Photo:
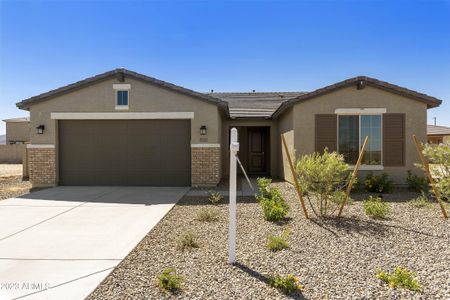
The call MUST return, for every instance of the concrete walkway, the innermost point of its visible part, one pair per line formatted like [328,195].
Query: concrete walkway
[60,243]
[243,189]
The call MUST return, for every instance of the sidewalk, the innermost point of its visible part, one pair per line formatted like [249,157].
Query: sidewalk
[243,189]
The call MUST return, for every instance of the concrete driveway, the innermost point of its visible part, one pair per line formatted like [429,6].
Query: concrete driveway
[60,243]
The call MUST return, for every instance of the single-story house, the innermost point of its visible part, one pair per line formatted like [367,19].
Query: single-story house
[125,128]
[17,130]
[438,134]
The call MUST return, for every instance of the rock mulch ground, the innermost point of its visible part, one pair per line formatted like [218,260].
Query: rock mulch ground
[334,259]
[13,186]
[11,183]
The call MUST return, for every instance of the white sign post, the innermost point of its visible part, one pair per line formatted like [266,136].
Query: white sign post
[234,148]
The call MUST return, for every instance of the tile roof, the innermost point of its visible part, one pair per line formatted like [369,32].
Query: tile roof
[237,105]
[120,73]
[254,104]
[438,130]
[363,81]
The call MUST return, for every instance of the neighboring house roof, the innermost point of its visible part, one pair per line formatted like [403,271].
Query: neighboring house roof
[255,104]
[361,80]
[17,120]
[437,130]
[120,74]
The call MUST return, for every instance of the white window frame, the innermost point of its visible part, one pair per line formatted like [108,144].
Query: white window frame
[121,87]
[362,112]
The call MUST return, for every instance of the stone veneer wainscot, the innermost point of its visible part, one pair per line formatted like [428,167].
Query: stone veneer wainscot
[42,164]
[205,164]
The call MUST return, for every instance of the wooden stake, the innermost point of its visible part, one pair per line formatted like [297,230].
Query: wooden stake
[297,186]
[427,171]
[352,179]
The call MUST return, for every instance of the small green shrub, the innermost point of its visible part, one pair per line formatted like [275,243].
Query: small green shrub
[286,284]
[376,207]
[400,278]
[378,183]
[416,183]
[215,197]
[186,241]
[274,206]
[169,280]
[420,202]
[207,215]
[278,242]
[264,186]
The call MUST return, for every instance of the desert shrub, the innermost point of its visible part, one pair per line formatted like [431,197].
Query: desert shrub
[274,206]
[421,201]
[439,158]
[207,215]
[278,242]
[400,278]
[169,280]
[286,284]
[186,241]
[375,207]
[322,177]
[264,186]
[416,183]
[215,197]
[378,183]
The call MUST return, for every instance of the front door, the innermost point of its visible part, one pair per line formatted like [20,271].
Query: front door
[257,150]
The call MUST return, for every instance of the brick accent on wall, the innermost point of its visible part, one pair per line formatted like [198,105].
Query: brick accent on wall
[42,166]
[205,169]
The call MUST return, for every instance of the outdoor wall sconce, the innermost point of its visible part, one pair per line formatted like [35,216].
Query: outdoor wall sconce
[40,129]
[203,130]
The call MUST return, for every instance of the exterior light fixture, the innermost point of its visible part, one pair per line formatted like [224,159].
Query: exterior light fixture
[203,130]
[40,129]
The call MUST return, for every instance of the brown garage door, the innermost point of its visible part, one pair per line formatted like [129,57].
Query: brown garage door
[125,152]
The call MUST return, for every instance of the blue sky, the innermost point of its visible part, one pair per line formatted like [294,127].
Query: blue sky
[225,46]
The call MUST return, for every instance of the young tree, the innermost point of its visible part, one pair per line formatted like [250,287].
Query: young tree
[439,158]
[322,178]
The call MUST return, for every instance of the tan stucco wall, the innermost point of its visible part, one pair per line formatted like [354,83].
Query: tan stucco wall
[228,124]
[369,97]
[143,97]
[286,128]
[17,131]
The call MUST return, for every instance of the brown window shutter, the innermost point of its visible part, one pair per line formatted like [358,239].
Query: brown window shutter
[393,140]
[326,132]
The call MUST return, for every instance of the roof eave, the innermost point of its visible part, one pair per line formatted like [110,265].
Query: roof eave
[25,104]
[430,101]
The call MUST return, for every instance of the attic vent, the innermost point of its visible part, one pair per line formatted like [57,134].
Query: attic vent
[361,84]
[120,76]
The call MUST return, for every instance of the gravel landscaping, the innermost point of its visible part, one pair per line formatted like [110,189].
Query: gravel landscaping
[7,170]
[334,258]
[11,183]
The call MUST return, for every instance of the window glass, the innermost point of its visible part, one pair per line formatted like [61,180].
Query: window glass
[352,132]
[349,138]
[122,97]
[371,127]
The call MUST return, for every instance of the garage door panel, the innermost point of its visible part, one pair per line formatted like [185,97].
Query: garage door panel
[126,152]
